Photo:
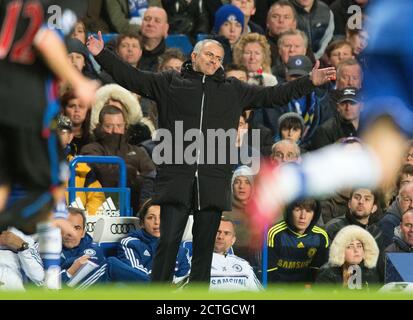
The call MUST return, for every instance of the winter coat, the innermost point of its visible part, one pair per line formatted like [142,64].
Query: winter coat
[331,131]
[186,17]
[332,272]
[335,225]
[390,220]
[318,25]
[95,17]
[140,168]
[113,91]
[334,275]
[149,60]
[194,98]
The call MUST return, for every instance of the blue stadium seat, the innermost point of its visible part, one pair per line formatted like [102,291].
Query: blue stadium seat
[399,267]
[202,36]
[180,41]
[106,36]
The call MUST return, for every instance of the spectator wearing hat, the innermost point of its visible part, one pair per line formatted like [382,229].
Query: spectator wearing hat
[85,175]
[79,57]
[344,124]
[227,29]
[353,252]
[242,188]
[291,126]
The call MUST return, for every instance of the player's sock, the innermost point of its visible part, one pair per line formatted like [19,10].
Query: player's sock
[50,248]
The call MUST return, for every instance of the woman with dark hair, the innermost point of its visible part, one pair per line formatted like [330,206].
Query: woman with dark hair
[79,115]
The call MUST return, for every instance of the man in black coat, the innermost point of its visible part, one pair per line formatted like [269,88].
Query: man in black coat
[199,98]
[344,124]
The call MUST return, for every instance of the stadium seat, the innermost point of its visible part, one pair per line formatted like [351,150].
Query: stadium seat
[399,267]
[202,36]
[180,41]
[106,36]
[108,231]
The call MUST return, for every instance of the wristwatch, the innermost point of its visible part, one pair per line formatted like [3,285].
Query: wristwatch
[23,247]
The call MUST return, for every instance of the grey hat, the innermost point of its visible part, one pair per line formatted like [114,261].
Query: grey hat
[243,171]
[299,66]
[349,94]
[291,115]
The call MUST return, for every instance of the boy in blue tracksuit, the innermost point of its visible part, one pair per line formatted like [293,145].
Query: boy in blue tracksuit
[139,247]
[79,248]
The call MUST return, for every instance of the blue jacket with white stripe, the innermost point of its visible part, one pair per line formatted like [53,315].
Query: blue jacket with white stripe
[85,247]
[138,251]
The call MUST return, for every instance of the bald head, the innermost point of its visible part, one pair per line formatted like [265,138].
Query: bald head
[405,197]
[406,227]
[155,23]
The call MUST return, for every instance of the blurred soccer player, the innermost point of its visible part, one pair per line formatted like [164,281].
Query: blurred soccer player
[386,121]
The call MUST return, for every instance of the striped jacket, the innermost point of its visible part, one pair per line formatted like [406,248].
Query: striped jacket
[86,247]
[138,250]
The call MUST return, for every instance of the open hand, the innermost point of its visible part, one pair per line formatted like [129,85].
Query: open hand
[95,46]
[321,76]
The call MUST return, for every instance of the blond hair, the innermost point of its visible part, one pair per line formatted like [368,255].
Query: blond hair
[251,38]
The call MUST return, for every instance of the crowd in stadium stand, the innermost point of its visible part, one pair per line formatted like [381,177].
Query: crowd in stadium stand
[266,43]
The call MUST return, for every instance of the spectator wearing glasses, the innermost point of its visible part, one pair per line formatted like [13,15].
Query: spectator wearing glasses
[285,150]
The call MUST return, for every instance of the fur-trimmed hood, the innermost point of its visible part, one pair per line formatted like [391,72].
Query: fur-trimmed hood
[344,237]
[134,111]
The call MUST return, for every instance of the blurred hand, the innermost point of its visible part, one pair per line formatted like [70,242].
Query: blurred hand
[321,76]
[95,46]
[77,264]
[85,91]
[10,240]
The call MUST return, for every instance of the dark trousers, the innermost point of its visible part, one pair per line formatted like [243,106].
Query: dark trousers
[173,221]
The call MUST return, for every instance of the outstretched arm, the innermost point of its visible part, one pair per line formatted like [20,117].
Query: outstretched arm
[258,96]
[147,84]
